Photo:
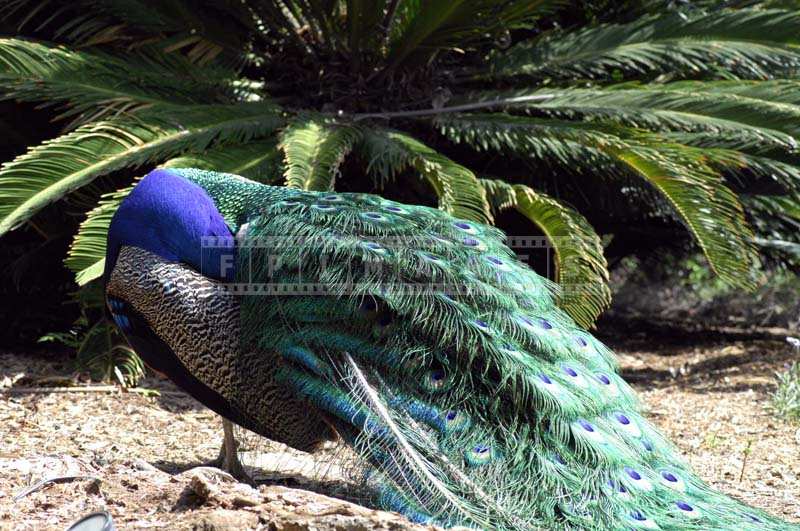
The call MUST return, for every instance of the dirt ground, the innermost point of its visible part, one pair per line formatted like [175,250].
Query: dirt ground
[707,393]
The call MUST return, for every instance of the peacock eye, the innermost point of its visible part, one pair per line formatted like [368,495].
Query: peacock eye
[430,257]
[633,474]
[436,380]
[478,455]
[375,247]
[636,515]
[374,216]
[465,227]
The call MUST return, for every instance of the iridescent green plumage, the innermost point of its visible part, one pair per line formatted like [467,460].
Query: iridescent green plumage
[470,397]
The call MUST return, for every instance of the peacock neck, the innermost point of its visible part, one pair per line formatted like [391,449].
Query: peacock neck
[238,199]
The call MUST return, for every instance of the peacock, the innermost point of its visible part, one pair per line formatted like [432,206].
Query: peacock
[415,337]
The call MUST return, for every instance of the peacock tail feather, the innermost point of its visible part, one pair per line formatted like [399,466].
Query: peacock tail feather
[446,364]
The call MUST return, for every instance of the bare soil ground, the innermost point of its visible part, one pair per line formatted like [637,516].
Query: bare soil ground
[707,394]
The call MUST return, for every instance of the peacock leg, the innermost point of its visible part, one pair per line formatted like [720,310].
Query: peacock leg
[228,459]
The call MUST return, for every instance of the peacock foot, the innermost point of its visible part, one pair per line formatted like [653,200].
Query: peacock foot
[228,459]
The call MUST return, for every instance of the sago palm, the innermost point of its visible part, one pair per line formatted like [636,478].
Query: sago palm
[690,115]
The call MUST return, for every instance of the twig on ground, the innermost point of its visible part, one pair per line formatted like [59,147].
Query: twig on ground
[89,389]
[48,481]
[747,451]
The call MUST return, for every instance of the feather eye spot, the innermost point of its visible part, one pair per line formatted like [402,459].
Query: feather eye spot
[577,379]
[581,342]
[498,264]
[451,415]
[557,459]
[478,455]
[482,325]
[633,474]
[430,257]
[683,506]
[324,208]
[471,242]
[647,445]
[626,424]
[374,216]
[395,209]
[544,323]
[332,198]
[672,480]
[603,379]
[446,297]
[375,247]
[289,202]
[436,380]
[545,379]
[753,518]
[642,521]
[586,426]
[466,227]
[617,486]
[569,371]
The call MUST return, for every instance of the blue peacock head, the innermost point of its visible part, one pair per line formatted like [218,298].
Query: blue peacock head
[176,219]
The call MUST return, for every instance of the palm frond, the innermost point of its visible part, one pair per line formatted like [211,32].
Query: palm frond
[681,175]
[258,160]
[314,150]
[48,172]
[581,268]
[459,192]
[440,24]
[86,257]
[95,85]
[745,43]
[201,35]
[689,114]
